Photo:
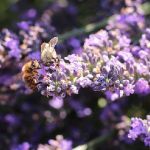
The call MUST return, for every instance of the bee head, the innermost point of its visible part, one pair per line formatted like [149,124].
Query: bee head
[35,64]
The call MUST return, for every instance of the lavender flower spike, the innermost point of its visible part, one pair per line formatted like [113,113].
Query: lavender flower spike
[140,129]
[106,64]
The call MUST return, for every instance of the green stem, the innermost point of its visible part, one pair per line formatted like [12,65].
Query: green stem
[96,26]
[83,30]
[94,143]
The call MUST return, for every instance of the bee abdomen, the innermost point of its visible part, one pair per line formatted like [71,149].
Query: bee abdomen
[30,81]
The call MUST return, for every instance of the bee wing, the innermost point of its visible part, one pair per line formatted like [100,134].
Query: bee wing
[53,41]
[43,46]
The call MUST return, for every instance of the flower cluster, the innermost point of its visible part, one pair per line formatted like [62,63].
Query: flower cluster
[27,41]
[131,19]
[108,63]
[17,46]
[140,129]
[22,43]
[59,143]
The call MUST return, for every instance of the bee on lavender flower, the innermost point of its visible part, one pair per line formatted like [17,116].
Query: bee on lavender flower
[29,72]
[48,53]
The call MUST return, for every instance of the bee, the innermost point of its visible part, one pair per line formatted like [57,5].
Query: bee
[29,72]
[48,53]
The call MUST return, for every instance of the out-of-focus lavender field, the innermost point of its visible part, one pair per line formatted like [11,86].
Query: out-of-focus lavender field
[90,90]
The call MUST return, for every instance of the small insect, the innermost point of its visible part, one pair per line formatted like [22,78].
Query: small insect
[29,72]
[48,53]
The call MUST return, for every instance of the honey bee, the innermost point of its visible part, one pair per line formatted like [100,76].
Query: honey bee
[48,53]
[29,71]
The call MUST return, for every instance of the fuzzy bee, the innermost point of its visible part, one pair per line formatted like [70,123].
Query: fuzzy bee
[48,53]
[29,72]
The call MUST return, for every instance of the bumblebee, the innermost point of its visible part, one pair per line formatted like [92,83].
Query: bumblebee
[48,53]
[29,72]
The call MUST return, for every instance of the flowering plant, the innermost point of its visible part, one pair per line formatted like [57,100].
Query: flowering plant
[65,71]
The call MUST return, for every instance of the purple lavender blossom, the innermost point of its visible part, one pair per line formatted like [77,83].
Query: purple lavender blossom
[142,86]
[129,89]
[75,45]
[59,143]
[130,20]
[140,129]
[29,14]
[24,25]
[23,146]
[107,42]
[56,102]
